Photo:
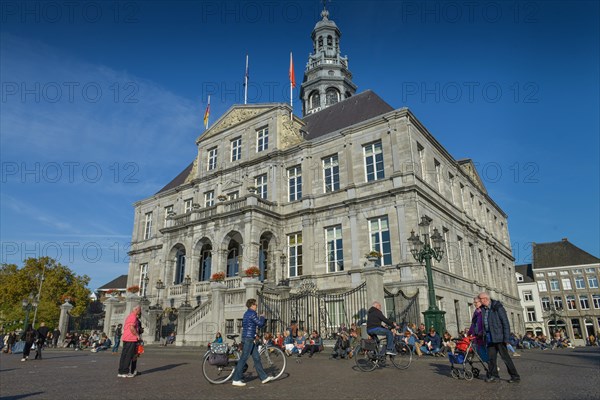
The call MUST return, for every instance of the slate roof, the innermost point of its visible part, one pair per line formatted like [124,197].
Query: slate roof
[118,283]
[560,254]
[527,271]
[348,112]
[179,179]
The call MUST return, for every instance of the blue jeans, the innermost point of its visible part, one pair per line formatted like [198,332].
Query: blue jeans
[388,335]
[249,348]
[117,342]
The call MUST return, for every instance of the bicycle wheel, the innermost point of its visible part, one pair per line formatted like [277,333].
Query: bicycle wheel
[218,374]
[273,360]
[365,359]
[404,356]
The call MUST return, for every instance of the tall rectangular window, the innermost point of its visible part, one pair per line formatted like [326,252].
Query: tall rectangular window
[331,173]
[379,235]
[147,226]
[262,139]
[261,186]
[211,161]
[373,155]
[542,286]
[528,296]
[438,174]
[462,196]
[421,153]
[592,281]
[558,302]
[459,246]
[168,210]
[335,249]
[451,186]
[579,282]
[545,303]
[294,176]
[209,198]
[571,303]
[295,254]
[554,285]
[566,282]
[584,302]
[530,314]
[142,282]
[596,300]
[236,149]
[187,205]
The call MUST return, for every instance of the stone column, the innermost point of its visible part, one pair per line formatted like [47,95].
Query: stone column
[63,322]
[374,279]
[109,305]
[252,286]
[184,311]
[217,298]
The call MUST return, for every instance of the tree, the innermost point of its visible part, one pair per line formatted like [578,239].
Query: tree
[17,284]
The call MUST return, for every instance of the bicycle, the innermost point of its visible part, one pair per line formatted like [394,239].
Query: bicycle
[371,354]
[272,358]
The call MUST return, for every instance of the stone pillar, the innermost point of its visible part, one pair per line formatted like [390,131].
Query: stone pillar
[109,305]
[131,300]
[184,311]
[63,322]
[252,286]
[217,297]
[374,279]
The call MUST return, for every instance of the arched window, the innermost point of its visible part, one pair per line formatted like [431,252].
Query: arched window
[205,263]
[180,266]
[315,100]
[329,40]
[233,266]
[332,96]
[320,42]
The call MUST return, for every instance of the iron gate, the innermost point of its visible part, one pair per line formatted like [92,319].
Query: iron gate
[312,309]
[401,308]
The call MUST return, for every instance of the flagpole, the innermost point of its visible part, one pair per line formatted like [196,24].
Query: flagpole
[246,82]
[291,85]
[208,115]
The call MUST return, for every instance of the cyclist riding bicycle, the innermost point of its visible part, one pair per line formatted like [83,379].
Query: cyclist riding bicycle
[374,319]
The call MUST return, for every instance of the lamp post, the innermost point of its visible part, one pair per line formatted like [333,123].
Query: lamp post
[39,295]
[28,303]
[283,281]
[159,286]
[187,281]
[424,251]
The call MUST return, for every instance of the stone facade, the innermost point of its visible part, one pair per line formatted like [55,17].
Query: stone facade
[301,203]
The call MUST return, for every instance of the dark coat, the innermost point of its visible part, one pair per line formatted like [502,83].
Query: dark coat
[498,325]
[375,317]
[250,322]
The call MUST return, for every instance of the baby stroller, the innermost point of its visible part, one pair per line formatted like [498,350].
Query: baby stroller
[463,359]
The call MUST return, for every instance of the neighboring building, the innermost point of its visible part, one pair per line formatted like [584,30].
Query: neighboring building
[117,288]
[567,286]
[530,300]
[304,199]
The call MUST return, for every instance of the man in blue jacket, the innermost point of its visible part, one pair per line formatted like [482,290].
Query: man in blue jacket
[250,323]
[497,328]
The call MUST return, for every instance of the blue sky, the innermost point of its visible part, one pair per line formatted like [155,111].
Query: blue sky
[101,103]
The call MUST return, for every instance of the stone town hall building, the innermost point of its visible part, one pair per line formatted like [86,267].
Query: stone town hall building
[305,198]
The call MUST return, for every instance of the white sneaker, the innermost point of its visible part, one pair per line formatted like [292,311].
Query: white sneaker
[22,359]
[122,376]
[267,379]
[238,383]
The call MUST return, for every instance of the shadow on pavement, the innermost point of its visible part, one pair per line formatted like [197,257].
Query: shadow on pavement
[162,368]
[21,396]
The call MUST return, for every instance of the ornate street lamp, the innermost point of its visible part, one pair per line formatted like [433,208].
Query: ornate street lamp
[424,251]
[28,304]
[283,281]
[554,313]
[159,286]
[187,281]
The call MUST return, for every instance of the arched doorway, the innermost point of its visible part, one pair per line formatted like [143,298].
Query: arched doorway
[177,258]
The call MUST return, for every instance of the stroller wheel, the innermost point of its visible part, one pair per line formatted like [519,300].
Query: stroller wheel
[455,373]
[476,372]
[468,375]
